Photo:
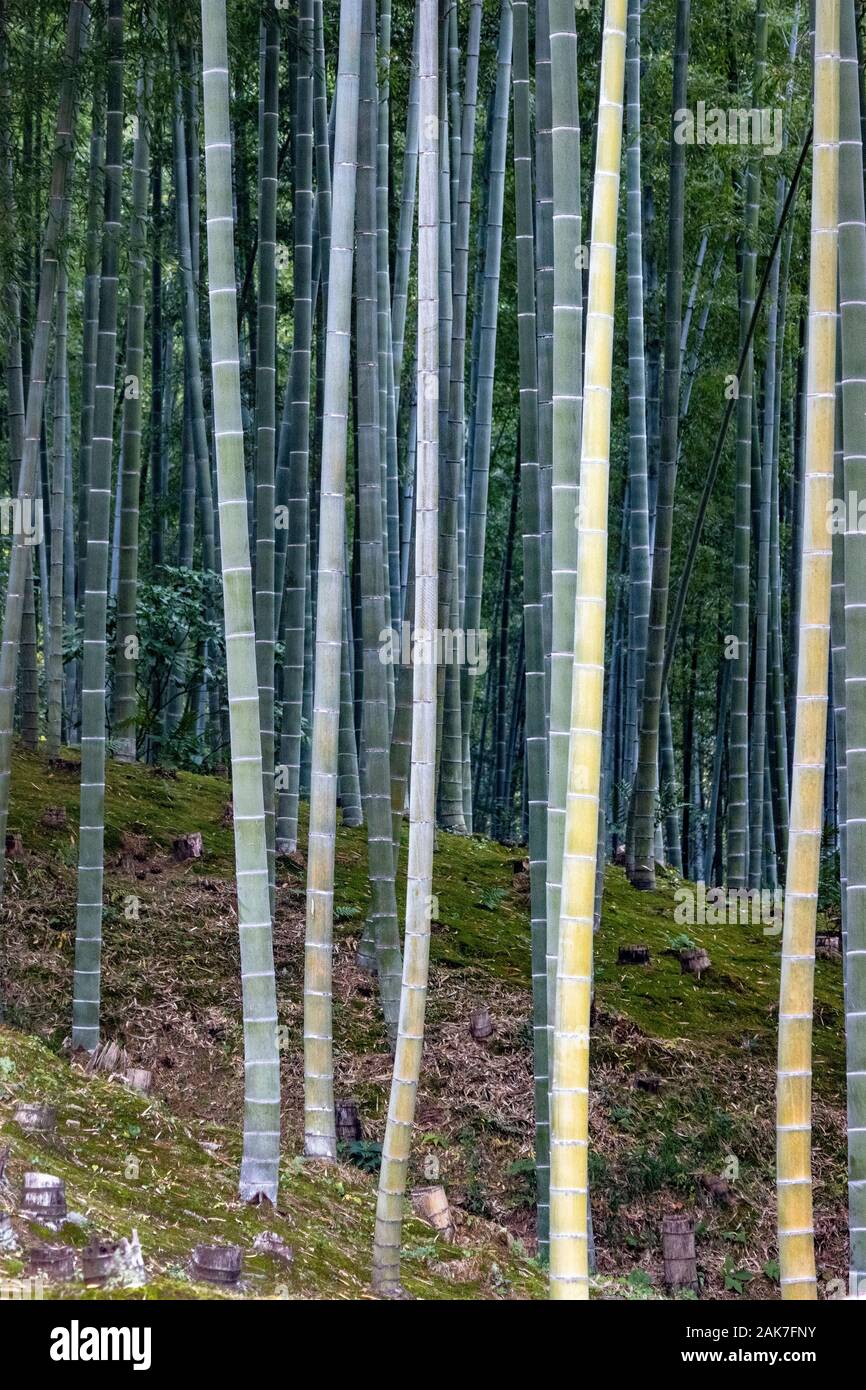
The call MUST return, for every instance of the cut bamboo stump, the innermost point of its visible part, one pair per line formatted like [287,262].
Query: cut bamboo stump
[54,1261]
[348,1122]
[54,817]
[138,1079]
[645,1082]
[129,1262]
[36,1118]
[8,1240]
[44,1198]
[217,1264]
[110,1057]
[694,962]
[678,1253]
[99,1262]
[188,847]
[633,955]
[14,845]
[431,1204]
[481,1025]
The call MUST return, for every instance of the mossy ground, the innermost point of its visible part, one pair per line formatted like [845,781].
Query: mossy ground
[171,997]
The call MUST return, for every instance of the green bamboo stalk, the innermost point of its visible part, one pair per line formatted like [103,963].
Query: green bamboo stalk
[54,662]
[482,417]
[126,649]
[530,486]
[639,554]
[645,788]
[261,1152]
[852,284]
[266,347]
[294,593]
[88,930]
[382,918]
[738,771]
[567,382]
[90,315]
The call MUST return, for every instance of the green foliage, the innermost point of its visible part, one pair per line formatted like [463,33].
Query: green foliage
[365,1154]
[736,1280]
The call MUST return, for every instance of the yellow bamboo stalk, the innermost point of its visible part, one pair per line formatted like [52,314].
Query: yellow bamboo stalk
[569,1137]
[794,1075]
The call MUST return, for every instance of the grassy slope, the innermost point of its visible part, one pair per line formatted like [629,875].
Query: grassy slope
[171,998]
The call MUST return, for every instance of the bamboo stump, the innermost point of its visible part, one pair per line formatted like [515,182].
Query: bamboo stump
[99,1262]
[8,1241]
[217,1264]
[36,1118]
[54,1261]
[138,1079]
[188,847]
[678,1252]
[481,1025]
[694,962]
[348,1122]
[54,817]
[44,1198]
[633,955]
[645,1082]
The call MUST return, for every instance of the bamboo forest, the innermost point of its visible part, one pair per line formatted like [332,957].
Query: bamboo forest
[433,667]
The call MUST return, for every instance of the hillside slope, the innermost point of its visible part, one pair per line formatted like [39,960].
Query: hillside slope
[171,998]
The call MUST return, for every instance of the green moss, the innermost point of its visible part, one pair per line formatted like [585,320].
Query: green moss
[733,1008]
[128,1163]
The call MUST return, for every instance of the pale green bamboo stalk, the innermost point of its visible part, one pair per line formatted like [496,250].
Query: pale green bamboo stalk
[261,1151]
[569,1129]
[403,255]
[266,607]
[382,918]
[294,593]
[536,734]
[567,396]
[319,1133]
[422,806]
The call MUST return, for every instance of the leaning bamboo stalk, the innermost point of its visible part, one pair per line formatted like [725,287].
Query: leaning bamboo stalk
[569,1129]
[852,285]
[794,1077]
[319,1134]
[422,796]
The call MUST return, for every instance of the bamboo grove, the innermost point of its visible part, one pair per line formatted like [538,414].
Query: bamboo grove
[447,418]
